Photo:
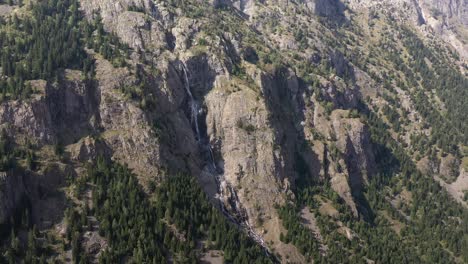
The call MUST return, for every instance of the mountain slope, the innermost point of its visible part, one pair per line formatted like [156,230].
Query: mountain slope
[315,127]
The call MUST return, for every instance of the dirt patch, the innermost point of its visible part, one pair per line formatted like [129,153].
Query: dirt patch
[327,208]
[346,231]
[395,225]
[457,188]
[465,163]
[212,257]
[5,10]
[406,196]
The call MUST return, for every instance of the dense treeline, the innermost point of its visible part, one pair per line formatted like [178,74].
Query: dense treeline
[448,82]
[28,249]
[297,234]
[432,227]
[435,222]
[393,116]
[31,252]
[200,220]
[7,153]
[36,45]
[372,240]
[10,153]
[435,73]
[50,36]
[127,220]
[176,223]
[42,247]
[170,228]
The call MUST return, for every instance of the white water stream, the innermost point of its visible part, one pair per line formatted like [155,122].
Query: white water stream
[205,145]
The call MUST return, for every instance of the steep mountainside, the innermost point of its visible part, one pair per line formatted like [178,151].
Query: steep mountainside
[292,131]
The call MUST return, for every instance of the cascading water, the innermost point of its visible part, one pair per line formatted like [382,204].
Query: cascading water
[195,111]
[194,108]
[205,146]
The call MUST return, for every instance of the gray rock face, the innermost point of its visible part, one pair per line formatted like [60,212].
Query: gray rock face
[88,150]
[140,30]
[448,19]
[338,93]
[12,192]
[245,6]
[353,140]
[127,131]
[327,8]
[110,11]
[255,144]
[5,9]
[247,142]
[65,112]
[220,3]
[347,150]
[32,119]
[261,126]
[47,201]
[449,9]
[37,191]
[444,18]
[72,104]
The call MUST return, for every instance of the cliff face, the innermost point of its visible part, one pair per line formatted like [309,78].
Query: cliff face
[445,19]
[12,192]
[449,20]
[450,10]
[40,192]
[248,129]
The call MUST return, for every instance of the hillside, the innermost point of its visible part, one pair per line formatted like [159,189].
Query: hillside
[290,131]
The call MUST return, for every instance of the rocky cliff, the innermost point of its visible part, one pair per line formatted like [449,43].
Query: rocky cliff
[250,97]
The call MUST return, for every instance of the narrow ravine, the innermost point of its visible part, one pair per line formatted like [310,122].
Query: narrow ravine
[194,108]
[207,152]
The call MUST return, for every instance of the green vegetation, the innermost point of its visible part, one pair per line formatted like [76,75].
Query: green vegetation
[449,84]
[179,218]
[297,234]
[106,44]
[432,71]
[175,222]
[7,153]
[392,116]
[50,36]
[37,44]
[432,229]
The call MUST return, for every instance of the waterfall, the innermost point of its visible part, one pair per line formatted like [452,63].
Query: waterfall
[207,153]
[194,108]
[210,151]
[195,111]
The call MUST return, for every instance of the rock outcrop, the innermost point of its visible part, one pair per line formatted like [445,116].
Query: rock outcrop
[38,192]
[333,9]
[12,194]
[221,106]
